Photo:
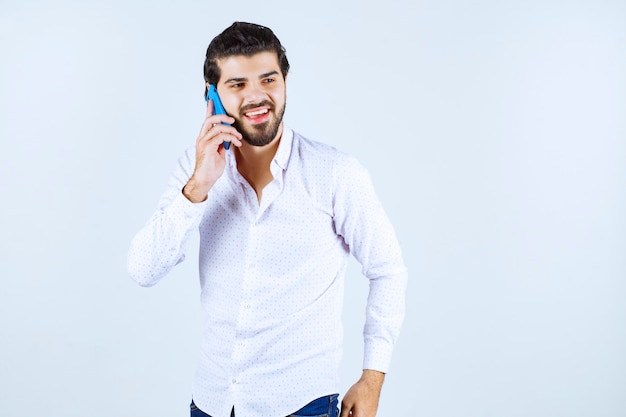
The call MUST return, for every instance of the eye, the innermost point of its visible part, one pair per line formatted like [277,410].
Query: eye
[236,85]
[269,80]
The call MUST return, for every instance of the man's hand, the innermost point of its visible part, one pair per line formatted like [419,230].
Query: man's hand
[361,400]
[210,154]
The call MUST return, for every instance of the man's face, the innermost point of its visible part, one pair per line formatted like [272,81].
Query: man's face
[252,90]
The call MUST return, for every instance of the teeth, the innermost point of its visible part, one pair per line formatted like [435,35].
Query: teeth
[256,113]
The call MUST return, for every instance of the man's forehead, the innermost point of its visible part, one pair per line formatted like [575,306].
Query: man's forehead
[260,63]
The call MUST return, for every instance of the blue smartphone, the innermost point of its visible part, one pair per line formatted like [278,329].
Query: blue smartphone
[218,107]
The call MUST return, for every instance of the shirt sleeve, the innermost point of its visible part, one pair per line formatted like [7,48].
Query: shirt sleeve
[362,222]
[161,243]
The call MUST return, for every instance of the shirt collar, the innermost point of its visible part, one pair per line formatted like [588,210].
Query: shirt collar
[284,148]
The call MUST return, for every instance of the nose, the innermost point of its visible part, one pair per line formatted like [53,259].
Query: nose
[254,94]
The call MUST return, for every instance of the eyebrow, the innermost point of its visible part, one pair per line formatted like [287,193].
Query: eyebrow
[241,79]
[267,74]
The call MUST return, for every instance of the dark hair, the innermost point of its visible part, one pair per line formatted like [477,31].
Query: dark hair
[242,38]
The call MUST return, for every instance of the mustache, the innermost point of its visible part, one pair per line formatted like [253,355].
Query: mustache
[265,103]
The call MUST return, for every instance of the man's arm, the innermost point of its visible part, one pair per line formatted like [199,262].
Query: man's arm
[362,222]
[160,244]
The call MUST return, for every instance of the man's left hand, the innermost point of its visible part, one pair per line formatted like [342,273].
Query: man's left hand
[361,400]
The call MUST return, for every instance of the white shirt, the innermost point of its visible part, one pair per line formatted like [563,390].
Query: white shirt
[272,273]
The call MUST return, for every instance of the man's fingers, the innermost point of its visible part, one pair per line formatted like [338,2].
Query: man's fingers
[345,409]
[211,119]
[211,131]
[207,123]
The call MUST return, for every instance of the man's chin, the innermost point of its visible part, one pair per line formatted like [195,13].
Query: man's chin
[256,140]
[260,134]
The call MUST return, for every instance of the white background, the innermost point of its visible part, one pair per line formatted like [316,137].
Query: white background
[494,131]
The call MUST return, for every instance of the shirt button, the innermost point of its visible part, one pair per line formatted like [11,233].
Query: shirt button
[234,381]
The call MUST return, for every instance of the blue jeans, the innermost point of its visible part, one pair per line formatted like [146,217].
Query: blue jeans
[322,407]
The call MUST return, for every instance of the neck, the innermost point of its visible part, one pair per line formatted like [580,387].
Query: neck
[253,162]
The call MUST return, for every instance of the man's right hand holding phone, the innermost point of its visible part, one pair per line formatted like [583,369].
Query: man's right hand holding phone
[210,154]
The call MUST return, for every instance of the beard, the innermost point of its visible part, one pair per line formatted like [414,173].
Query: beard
[263,133]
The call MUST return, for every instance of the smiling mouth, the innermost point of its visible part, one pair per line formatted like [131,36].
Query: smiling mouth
[258,116]
[256,113]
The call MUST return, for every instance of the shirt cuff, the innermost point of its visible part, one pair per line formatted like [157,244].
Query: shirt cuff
[377,355]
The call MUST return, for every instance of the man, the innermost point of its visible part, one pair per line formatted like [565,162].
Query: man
[278,217]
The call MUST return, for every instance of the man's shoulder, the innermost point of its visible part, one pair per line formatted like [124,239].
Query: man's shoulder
[326,162]
[307,148]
